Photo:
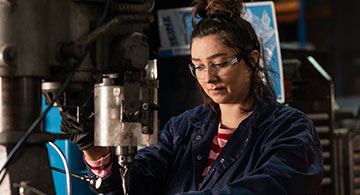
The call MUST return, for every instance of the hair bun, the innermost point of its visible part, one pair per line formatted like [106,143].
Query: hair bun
[199,8]
[229,8]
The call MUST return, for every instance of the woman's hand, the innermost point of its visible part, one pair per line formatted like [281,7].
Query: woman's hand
[81,133]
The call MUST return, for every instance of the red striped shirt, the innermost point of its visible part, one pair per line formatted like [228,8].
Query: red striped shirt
[218,144]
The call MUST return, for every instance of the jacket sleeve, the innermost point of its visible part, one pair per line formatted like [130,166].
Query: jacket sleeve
[290,163]
[147,171]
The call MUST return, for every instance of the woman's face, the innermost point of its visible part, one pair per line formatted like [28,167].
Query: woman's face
[230,86]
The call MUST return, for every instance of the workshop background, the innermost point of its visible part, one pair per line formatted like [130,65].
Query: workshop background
[325,30]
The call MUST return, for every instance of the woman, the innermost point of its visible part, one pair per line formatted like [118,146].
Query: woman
[241,141]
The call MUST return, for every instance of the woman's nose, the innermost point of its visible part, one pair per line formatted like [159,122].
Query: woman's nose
[209,75]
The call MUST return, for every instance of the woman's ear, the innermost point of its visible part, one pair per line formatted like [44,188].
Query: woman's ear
[254,57]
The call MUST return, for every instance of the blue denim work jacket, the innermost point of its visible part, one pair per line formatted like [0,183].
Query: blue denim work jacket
[276,150]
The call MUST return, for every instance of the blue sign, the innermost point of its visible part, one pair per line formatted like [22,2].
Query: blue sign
[263,19]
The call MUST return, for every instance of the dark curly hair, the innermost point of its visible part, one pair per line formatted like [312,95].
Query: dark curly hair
[223,18]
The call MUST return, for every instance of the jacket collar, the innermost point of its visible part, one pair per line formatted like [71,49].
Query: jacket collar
[263,113]
[202,116]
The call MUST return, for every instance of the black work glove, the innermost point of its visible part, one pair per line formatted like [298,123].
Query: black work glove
[81,133]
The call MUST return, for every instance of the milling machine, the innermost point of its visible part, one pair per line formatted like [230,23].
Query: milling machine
[101,47]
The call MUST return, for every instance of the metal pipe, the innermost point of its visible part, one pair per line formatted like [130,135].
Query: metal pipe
[122,8]
[77,48]
[94,35]
[66,166]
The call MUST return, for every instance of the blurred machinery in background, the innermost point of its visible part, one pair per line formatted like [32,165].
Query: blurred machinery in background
[41,43]
[309,87]
[347,146]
